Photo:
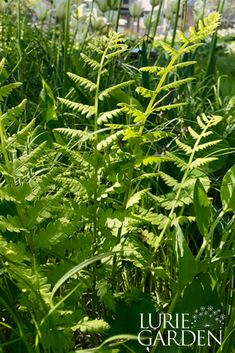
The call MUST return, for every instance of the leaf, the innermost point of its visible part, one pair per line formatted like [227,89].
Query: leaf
[87,110]
[187,265]
[92,63]
[78,268]
[107,92]
[106,116]
[91,326]
[227,191]
[202,207]
[14,112]
[7,89]
[177,83]
[134,199]
[82,81]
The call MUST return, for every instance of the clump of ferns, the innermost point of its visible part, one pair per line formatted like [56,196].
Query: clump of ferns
[112,140]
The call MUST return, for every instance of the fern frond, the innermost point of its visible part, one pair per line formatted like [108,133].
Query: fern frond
[203,146]
[7,89]
[169,180]
[21,136]
[169,106]
[14,112]
[82,81]
[167,48]
[177,160]
[107,92]
[87,110]
[134,199]
[116,53]
[199,162]
[193,133]
[187,149]
[2,64]
[151,69]
[34,155]
[5,195]
[144,92]
[205,28]
[109,140]
[177,83]
[106,116]
[134,112]
[192,47]
[151,160]
[70,132]
[95,48]
[95,65]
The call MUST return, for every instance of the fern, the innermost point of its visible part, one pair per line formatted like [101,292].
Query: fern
[7,89]
[84,82]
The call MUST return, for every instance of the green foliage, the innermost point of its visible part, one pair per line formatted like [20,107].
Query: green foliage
[108,207]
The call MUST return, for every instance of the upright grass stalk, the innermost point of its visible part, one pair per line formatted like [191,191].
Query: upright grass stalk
[158,18]
[176,22]
[118,15]
[66,38]
[18,14]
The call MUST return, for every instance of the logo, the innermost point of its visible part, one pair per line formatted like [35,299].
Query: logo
[201,328]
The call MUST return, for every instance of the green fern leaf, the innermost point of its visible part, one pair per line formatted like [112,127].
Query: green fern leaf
[108,91]
[138,115]
[167,48]
[70,132]
[193,133]
[109,140]
[95,48]
[151,160]
[151,69]
[6,90]
[14,112]
[206,27]
[206,145]
[106,116]
[192,48]
[199,162]
[170,106]
[84,109]
[32,157]
[187,149]
[176,160]
[2,64]
[169,180]
[116,53]
[90,62]
[21,136]
[144,92]
[134,199]
[82,81]
[6,195]
[177,83]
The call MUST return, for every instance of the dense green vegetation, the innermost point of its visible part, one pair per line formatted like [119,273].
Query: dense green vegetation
[117,185]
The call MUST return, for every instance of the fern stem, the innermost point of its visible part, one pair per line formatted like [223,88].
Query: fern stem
[160,237]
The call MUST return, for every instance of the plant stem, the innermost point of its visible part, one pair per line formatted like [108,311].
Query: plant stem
[158,18]
[176,23]
[66,39]
[19,39]
[118,15]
